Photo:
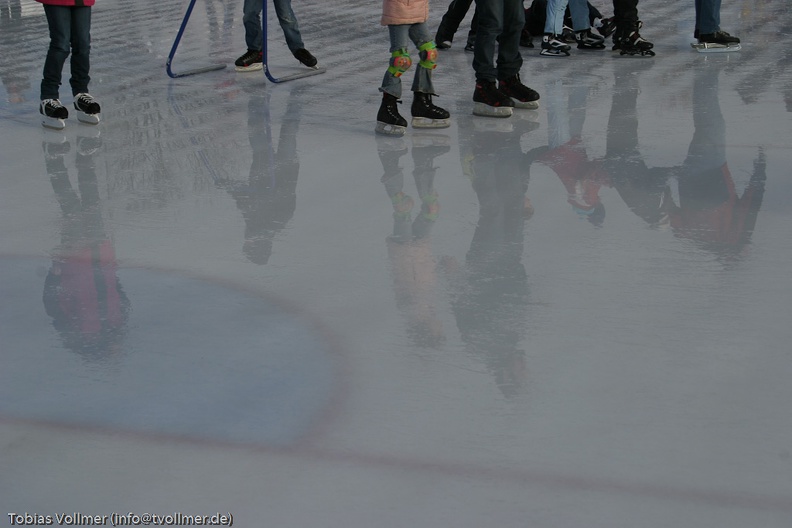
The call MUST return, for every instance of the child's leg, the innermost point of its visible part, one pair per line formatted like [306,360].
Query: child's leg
[81,49]
[59,21]
[400,60]
[251,19]
[427,51]
[288,23]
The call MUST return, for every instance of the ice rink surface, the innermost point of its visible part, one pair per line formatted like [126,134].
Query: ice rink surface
[231,297]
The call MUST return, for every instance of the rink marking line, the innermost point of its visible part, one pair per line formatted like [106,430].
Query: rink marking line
[522,477]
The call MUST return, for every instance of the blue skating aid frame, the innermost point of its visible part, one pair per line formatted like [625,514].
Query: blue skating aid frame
[172,53]
[299,75]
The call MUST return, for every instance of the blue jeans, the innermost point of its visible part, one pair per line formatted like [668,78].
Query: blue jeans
[400,37]
[708,16]
[70,32]
[251,19]
[578,10]
[499,22]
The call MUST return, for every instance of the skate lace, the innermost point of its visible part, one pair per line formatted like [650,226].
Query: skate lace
[84,99]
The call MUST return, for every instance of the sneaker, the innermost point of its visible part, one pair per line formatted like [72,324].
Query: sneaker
[443,41]
[53,108]
[718,37]
[304,56]
[521,95]
[470,46]
[86,104]
[489,101]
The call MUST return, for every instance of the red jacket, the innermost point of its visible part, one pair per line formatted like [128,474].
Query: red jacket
[71,3]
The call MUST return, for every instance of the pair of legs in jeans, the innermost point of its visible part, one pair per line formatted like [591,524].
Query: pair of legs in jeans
[70,32]
[251,19]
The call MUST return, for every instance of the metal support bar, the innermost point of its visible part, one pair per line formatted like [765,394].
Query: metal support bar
[172,53]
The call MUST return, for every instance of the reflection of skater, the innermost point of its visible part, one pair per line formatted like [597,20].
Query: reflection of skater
[566,153]
[70,32]
[268,198]
[413,266]
[490,294]
[710,211]
[14,74]
[82,293]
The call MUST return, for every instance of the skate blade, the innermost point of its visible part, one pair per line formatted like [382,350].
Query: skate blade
[430,140]
[554,53]
[88,119]
[53,123]
[485,110]
[253,67]
[639,54]
[427,122]
[706,47]
[525,105]
[389,130]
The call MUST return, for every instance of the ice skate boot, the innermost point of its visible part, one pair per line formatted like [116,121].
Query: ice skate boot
[88,110]
[552,46]
[252,60]
[521,95]
[389,121]
[427,115]
[627,41]
[589,41]
[526,39]
[489,101]
[305,57]
[605,26]
[718,41]
[54,114]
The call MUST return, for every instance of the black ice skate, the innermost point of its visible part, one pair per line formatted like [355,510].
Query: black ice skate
[605,26]
[427,115]
[88,110]
[489,101]
[521,95]
[627,41]
[718,41]
[54,114]
[589,41]
[305,57]
[552,46]
[252,60]
[389,121]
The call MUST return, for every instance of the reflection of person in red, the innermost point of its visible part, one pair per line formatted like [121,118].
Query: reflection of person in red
[413,266]
[566,153]
[82,293]
[710,211]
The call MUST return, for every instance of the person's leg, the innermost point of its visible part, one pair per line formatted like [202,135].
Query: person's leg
[554,21]
[509,58]
[400,60]
[59,20]
[579,12]
[708,16]
[251,20]
[422,82]
[453,17]
[626,13]
[81,49]
[490,26]
[288,23]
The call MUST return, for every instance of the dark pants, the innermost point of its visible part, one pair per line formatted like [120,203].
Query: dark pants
[453,17]
[70,32]
[500,23]
[626,13]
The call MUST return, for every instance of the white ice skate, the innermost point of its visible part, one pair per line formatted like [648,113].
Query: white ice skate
[88,110]
[53,114]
